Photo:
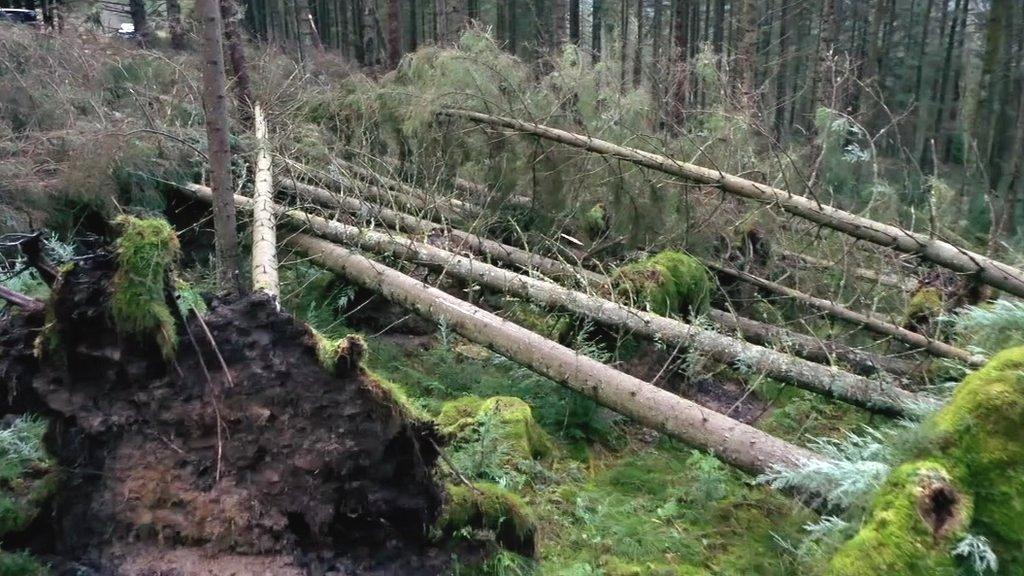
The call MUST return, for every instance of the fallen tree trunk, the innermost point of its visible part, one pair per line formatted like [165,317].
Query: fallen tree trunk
[800,345]
[264,233]
[876,325]
[873,395]
[985,269]
[890,280]
[733,442]
[20,300]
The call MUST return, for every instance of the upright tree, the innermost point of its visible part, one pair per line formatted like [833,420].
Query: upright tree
[394,32]
[595,30]
[140,20]
[218,134]
[174,26]
[574,21]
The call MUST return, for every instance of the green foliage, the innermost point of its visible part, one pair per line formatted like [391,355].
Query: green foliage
[28,475]
[925,305]
[552,325]
[21,564]
[595,221]
[146,253]
[667,283]
[491,507]
[991,327]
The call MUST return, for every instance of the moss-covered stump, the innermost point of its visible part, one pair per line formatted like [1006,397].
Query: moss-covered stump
[970,482]
[924,309]
[509,420]
[141,300]
[594,222]
[28,474]
[668,283]
[490,507]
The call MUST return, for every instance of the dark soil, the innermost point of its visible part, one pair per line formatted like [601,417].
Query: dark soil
[267,463]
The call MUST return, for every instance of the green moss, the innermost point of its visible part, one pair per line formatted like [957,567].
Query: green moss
[28,474]
[595,221]
[551,325]
[491,507]
[394,395]
[667,283]
[20,564]
[145,253]
[340,355]
[897,538]
[977,444]
[511,419]
[925,306]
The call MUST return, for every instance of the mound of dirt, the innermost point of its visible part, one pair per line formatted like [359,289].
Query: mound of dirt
[243,447]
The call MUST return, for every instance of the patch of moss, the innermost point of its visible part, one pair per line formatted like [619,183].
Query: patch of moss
[340,356]
[551,325]
[925,306]
[667,283]
[394,395]
[146,251]
[28,475]
[595,221]
[511,418]
[21,564]
[899,537]
[977,445]
[491,507]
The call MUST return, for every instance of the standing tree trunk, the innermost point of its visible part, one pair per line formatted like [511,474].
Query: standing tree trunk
[574,21]
[174,27]
[623,42]
[595,31]
[370,39]
[558,12]
[137,10]
[236,54]
[681,39]
[782,74]
[394,32]
[413,18]
[718,35]
[747,50]
[217,135]
[264,230]
[942,92]
[638,50]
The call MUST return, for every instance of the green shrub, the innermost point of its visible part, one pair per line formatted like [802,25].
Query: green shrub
[27,473]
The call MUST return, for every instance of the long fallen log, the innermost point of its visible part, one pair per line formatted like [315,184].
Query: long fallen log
[872,323]
[757,332]
[985,269]
[875,395]
[733,442]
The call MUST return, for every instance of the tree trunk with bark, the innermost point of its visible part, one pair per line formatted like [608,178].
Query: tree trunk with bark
[681,39]
[559,12]
[394,32]
[217,135]
[595,31]
[984,269]
[264,228]
[236,55]
[574,21]
[140,20]
[638,49]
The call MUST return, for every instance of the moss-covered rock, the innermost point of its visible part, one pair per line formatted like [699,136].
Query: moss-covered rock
[667,283]
[28,475]
[511,421]
[145,253]
[490,507]
[969,481]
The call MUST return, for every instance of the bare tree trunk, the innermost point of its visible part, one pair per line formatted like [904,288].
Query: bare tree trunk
[748,48]
[217,135]
[803,346]
[174,27]
[558,11]
[20,300]
[447,207]
[876,325]
[595,31]
[984,269]
[264,228]
[638,50]
[681,39]
[733,442]
[574,21]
